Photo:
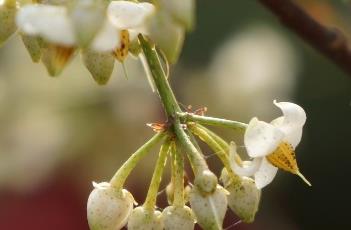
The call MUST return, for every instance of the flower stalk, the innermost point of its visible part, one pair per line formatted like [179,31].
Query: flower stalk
[178,179]
[219,151]
[123,172]
[150,201]
[204,120]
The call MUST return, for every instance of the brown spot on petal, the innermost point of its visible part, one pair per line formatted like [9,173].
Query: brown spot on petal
[121,53]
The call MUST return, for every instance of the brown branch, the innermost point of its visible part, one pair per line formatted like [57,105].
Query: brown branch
[329,41]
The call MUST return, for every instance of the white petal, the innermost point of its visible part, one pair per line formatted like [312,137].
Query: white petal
[107,39]
[129,15]
[261,138]
[248,168]
[50,22]
[292,121]
[265,174]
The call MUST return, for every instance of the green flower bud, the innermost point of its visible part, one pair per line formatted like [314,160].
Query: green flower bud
[99,64]
[8,9]
[87,18]
[206,182]
[143,219]
[167,35]
[209,209]
[33,46]
[244,197]
[55,58]
[108,208]
[175,218]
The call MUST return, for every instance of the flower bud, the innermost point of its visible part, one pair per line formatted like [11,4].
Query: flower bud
[55,58]
[206,181]
[175,218]
[209,209]
[33,46]
[8,9]
[87,18]
[167,35]
[143,219]
[244,197]
[99,64]
[108,208]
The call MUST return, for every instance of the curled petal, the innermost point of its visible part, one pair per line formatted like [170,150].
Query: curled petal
[248,168]
[265,174]
[292,121]
[261,138]
[50,22]
[129,15]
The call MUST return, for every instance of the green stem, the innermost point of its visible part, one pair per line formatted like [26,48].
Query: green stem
[163,88]
[178,182]
[150,201]
[171,105]
[213,121]
[219,151]
[197,161]
[123,172]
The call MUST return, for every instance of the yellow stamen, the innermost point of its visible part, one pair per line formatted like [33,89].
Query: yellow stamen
[122,52]
[303,178]
[284,158]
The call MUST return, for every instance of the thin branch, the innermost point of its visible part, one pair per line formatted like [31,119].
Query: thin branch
[329,41]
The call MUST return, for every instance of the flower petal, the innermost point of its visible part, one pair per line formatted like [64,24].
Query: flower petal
[261,138]
[292,121]
[265,174]
[107,39]
[50,22]
[129,15]
[248,168]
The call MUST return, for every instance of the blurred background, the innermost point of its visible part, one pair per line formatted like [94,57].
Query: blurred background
[58,135]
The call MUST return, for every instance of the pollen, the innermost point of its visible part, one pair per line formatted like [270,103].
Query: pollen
[122,52]
[284,158]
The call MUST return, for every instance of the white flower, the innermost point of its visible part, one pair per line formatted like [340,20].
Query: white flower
[272,145]
[209,209]
[144,219]
[55,24]
[108,208]
[178,217]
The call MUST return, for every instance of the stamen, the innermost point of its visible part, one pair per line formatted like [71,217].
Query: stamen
[284,158]
[121,53]
[303,178]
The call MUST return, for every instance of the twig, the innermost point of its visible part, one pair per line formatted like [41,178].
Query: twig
[329,41]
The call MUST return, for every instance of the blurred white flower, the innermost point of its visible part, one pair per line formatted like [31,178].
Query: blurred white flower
[251,69]
[272,145]
[55,24]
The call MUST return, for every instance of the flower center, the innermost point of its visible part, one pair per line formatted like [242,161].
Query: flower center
[284,158]
[122,52]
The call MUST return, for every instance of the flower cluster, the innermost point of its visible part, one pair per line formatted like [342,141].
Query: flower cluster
[206,200]
[102,31]
[53,31]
